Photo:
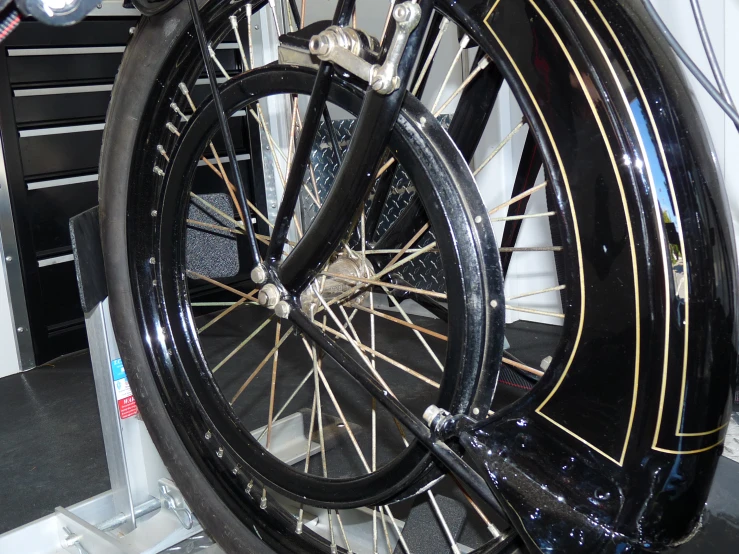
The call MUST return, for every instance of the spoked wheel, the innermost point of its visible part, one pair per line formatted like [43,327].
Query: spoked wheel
[265,432]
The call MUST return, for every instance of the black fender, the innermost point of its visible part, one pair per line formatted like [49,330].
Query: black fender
[616,447]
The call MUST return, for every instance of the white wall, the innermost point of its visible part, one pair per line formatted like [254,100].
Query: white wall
[9,362]
[722,18]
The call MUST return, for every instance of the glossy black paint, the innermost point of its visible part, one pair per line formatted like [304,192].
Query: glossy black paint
[562,494]
[611,482]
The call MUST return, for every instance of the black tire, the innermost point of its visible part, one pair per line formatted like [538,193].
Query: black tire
[144,57]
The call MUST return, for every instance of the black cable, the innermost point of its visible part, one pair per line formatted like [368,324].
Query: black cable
[697,73]
[710,54]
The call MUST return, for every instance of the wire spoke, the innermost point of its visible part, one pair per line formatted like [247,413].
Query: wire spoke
[249,296]
[500,147]
[533,311]
[213,227]
[410,325]
[242,345]
[204,203]
[462,45]
[535,292]
[518,198]
[520,217]
[273,387]
[378,283]
[522,367]
[261,365]
[220,316]
[416,331]
[512,249]
[482,64]
[380,355]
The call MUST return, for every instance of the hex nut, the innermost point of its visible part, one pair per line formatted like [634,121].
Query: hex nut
[282,309]
[259,274]
[269,296]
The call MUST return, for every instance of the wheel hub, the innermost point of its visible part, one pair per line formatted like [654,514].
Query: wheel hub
[349,266]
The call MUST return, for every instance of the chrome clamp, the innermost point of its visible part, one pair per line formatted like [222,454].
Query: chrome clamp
[343,47]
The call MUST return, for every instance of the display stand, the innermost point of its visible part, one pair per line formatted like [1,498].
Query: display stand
[143,513]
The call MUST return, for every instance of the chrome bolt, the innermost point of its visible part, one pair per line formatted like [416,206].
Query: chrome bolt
[259,274]
[282,309]
[208,435]
[476,411]
[152,261]
[8,259]
[269,296]
[20,329]
[220,453]
[319,45]
[478,219]
[493,303]
[153,213]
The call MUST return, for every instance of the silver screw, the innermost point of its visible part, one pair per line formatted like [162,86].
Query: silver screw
[220,453]
[269,296]
[8,259]
[401,13]
[152,261]
[235,470]
[282,309]
[494,303]
[153,213]
[131,30]
[259,274]
[20,329]
[476,411]
[208,435]
[478,219]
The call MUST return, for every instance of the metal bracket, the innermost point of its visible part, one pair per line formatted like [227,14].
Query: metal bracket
[172,500]
[343,47]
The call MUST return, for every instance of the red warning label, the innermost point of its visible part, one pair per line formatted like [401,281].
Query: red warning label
[127,407]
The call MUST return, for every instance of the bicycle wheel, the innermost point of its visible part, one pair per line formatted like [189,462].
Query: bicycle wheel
[215,387]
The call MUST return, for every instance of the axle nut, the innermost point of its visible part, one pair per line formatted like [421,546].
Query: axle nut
[259,274]
[282,309]
[269,296]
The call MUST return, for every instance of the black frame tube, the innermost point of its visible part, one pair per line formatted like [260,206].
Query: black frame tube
[311,122]
[374,125]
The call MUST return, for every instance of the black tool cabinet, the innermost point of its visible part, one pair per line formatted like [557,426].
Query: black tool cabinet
[54,90]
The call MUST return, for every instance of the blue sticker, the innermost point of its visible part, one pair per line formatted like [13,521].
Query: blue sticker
[118,371]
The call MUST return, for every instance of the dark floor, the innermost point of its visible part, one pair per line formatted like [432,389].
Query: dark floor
[51,449]
[51,443]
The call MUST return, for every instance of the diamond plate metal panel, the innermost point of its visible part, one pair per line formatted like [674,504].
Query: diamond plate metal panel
[426,271]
